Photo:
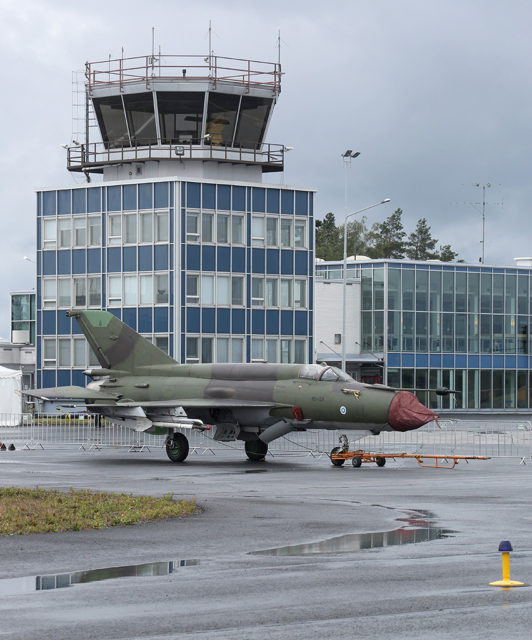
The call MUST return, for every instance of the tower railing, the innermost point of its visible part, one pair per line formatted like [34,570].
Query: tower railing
[120,72]
[96,155]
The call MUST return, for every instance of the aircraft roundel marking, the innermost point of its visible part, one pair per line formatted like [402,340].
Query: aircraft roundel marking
[343,410]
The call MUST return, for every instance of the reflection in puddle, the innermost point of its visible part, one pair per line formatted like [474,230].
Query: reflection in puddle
[28,584]
[417,529]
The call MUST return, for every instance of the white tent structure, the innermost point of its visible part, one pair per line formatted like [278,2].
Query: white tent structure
[10,397]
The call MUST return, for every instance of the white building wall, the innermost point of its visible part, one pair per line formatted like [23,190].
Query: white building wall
[183,169]
[328,314]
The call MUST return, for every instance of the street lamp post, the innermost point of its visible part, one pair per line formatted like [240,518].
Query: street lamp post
[344,279]
[347,156]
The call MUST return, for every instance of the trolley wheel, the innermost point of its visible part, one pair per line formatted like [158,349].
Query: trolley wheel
[357,461]
[380,461]
[337,463]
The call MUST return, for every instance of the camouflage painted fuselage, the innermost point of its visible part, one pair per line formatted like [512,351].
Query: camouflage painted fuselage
[140,384]
[242,388]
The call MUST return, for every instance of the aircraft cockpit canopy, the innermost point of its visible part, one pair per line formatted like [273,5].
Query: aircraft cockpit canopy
[324,373]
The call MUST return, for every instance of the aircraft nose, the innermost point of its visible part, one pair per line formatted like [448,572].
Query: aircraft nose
[406,412]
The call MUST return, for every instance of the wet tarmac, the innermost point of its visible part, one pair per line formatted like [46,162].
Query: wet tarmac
[289,548]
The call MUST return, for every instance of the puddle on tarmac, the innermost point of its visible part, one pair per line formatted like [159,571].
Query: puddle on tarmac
[416,529]
[29,584]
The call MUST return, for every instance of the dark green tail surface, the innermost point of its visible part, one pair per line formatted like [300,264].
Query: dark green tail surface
[115,344]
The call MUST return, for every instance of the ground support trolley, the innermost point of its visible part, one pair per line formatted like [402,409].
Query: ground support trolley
[432,461]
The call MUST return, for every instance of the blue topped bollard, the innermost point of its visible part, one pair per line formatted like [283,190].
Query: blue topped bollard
[505,547]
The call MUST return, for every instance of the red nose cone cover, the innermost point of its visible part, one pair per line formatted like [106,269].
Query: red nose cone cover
[406,412]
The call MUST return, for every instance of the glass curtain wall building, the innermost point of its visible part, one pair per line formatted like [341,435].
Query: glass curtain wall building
[460,326]
[23,317]
[192,251]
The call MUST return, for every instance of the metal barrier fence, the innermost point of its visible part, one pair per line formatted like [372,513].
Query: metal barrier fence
[86,432]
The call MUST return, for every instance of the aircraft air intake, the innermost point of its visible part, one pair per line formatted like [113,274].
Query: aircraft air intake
[406,412]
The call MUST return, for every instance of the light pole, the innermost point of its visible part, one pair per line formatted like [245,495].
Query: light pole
[344,279]
[347,156]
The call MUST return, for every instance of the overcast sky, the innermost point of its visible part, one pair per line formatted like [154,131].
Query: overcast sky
[436,95]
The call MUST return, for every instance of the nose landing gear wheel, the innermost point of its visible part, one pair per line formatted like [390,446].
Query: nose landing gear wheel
[256,450]
[177,447]
[336,463]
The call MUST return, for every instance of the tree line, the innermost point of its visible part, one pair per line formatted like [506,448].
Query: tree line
[386,239]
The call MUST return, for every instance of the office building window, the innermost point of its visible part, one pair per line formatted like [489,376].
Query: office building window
[64,287]
[192,289]
[192,349]
[80,292]
[257,291]
[114,235]
[257,231]
[207,226]
[237,291]
[300,233]
[49,352]
[272,286]
[95,231]
[237,229]
[257,350]
[79,352]
[300,293]
[64,352]
[222,228]
[80,232]
[130,228]
[207,350]
[192,227]
[146,227]
[272,225]
[222,349]
[49,293]
[49,234]
[286,292]
[64,230]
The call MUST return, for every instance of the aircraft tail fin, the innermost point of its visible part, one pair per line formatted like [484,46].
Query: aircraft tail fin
[115,344]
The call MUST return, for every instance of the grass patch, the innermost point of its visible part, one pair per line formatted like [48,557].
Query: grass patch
[50,511]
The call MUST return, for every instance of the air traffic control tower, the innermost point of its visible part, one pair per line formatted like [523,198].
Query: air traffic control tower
[176,230]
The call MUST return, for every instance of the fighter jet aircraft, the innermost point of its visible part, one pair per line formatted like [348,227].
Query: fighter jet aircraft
[145,389]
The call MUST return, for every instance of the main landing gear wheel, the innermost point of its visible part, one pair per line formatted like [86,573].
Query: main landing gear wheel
[177,447]
[337,463]
[256,450]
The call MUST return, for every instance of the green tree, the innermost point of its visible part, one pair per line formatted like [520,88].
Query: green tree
[420,244]
[329,242]
[357,237]
[387,239]
[447,254]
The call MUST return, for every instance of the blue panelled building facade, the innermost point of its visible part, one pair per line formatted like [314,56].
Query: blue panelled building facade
[433,324]
[182,239]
